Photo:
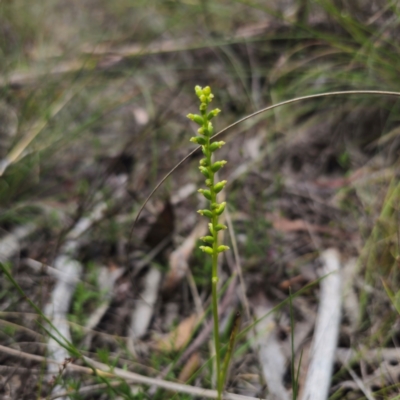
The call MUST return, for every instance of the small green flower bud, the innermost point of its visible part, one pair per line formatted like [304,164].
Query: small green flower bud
[206,249]
[219,186]
[203,107]
[205,193]
[210,227]
[217,165]
[210,129]
[203,162]
[203,98]
[206,213]
[207,90]
[207,132]
[216,145]
[220,227]
[209,182]
[213,113]
[222,248]
[221,208]
[204,150]
[198,90]
[200,131]
[204,171]
[214,280]
[207,239]
[214,206]
[198,140]
[196,118]
[199,120]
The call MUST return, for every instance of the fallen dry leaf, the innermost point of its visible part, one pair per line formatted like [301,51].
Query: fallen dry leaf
[163,226]
[179,258]
[176,339]
[190,367]
[337,183]
[286,284]
[286,225]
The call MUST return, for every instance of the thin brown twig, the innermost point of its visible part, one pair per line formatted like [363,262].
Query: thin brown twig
[101,370]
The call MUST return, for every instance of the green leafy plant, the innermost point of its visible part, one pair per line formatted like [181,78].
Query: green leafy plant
[209,167]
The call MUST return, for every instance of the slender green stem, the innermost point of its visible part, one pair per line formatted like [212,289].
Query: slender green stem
[214,277]
[216,328]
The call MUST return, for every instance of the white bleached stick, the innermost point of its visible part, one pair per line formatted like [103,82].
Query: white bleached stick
[273,362]
[143,312]
[56,310]
[10,243]
[326,334]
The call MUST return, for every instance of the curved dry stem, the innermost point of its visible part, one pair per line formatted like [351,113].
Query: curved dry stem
[283,103]
[103,370]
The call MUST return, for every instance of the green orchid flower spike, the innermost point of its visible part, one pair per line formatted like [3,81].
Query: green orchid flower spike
[209,167]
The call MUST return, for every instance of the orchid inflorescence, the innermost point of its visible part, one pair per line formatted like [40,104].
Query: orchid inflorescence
[209,168]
